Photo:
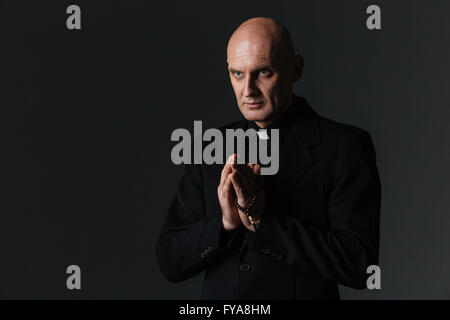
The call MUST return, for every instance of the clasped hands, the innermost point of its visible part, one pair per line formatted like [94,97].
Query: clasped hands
[241,182]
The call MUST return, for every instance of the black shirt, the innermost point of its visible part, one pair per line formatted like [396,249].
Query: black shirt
[283,123]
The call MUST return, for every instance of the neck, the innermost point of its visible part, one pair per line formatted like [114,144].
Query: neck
[264,124]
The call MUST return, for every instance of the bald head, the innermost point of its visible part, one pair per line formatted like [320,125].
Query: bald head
[263,67]
[266,33]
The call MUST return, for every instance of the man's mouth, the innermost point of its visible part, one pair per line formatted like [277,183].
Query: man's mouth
[254,105]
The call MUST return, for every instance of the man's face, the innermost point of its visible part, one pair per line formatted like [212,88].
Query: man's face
[261,82]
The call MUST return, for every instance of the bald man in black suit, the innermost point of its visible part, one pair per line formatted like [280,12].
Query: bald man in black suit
[293,235]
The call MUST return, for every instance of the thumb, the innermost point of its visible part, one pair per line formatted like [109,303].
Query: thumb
[257,169]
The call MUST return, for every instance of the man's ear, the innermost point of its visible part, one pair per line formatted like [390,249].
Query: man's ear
[298,67]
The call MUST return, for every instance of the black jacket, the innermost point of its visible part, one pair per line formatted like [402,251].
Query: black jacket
[321,227]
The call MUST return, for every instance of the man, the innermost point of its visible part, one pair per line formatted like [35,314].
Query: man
[295,234]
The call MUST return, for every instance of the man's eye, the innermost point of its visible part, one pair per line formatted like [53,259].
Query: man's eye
[237,73]
[264,72]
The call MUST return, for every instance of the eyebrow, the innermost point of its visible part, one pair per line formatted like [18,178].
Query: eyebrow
[265,66]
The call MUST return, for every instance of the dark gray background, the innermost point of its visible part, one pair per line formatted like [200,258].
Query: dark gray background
[86,118]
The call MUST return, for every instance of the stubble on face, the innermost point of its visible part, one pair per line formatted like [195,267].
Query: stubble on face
[260,56]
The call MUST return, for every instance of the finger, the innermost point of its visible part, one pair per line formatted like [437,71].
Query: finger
[234,161]
[248,169]
[245,220]
[257,170]
[245,179]
[248,177]
[226,169]
[237,184]
[233,158]
[252,167]
[227,191]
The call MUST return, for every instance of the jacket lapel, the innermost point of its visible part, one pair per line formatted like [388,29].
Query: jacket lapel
[295,156]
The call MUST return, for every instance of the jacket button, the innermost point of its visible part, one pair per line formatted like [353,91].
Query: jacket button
[244,267]
[265,251]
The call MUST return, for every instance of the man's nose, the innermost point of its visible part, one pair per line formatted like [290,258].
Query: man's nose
[250,89]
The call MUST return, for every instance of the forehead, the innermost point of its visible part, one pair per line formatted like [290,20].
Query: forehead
[247,53]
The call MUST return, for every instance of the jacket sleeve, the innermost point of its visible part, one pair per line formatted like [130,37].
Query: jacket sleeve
[342,253]
[190,239]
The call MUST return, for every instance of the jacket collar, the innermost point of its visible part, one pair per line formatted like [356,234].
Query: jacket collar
[295,156]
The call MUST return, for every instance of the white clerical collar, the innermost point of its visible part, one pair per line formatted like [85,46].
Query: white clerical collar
[262,134]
